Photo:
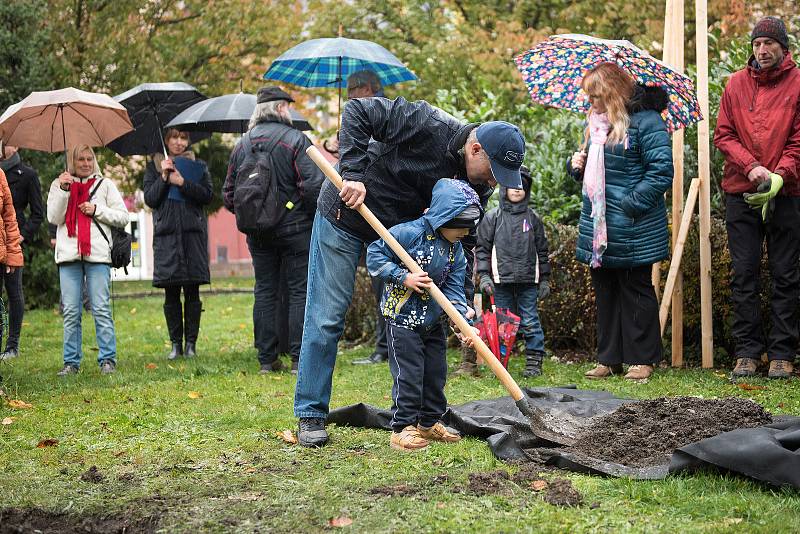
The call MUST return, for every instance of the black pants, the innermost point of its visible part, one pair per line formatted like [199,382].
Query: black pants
[418,362]
[380,324]
[746,233]
[268,256]
[172,294]
[628,329]
[16,305]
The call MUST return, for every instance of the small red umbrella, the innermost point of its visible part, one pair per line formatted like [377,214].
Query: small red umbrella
[507,327]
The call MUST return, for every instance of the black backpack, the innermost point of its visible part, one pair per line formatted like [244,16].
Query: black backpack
[257,200]
[120,240]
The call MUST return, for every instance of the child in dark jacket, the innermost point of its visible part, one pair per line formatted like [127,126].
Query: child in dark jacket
[511,254]
[414,328]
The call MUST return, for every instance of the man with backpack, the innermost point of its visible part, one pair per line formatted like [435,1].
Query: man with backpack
[272,188]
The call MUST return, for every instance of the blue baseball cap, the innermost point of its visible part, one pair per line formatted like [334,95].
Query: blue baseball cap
[505,146]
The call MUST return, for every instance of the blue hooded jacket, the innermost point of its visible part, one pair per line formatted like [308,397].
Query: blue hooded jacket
[442,260]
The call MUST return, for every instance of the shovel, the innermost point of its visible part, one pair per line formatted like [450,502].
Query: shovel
[534,414]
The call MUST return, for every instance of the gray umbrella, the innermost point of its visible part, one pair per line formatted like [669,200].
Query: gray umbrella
[151,106]
[227,114]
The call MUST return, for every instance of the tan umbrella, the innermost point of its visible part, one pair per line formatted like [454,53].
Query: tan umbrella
[52,121]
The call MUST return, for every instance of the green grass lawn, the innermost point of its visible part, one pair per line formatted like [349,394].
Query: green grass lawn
[194,443]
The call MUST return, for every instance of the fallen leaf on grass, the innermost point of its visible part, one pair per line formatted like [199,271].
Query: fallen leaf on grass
[133,311]
[440,505]
[16,403]
[341,521]
[151,366]
[539,485]
[242,326]
[750,387]
[195,395]
[7,421]
[287,436]
[49,442]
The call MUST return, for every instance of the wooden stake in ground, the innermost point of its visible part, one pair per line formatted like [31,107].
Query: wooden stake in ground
[704,173]
[677,255]
[532,413]
[673,56]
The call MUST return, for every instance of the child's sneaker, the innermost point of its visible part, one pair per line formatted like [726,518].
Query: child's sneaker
[438,432]
[408,440]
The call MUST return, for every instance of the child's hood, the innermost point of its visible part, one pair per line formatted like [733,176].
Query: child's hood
[522,205]
[450,197]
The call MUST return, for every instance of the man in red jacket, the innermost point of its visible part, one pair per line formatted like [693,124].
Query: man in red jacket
[758,131]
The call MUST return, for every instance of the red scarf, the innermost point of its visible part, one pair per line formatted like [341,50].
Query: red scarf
[78,223]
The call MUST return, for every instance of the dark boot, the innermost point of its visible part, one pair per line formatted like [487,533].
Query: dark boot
[191,316]
[533,363]
[173,313]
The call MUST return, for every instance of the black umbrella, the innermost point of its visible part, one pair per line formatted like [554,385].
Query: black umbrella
[150,106]
[226,114]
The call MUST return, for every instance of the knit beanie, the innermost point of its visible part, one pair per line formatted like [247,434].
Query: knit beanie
[771,27]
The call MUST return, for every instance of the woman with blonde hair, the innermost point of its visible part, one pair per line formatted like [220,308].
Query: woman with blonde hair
[623,226]
[80,203]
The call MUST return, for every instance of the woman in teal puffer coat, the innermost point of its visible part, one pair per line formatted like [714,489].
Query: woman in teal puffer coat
[623,224]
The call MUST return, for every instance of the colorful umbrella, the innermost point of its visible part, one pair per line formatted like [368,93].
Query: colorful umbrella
[553,71]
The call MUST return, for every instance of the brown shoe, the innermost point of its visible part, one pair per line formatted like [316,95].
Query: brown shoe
[639,372]
[408,440]
[438,432]
[603,371]
[745,367]
[780,369]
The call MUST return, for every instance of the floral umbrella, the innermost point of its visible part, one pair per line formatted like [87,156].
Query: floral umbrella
[553,71]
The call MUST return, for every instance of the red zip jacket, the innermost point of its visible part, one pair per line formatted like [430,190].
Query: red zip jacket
[759,124]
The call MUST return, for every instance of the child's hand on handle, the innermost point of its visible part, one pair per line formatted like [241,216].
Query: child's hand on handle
[578,161]
[467,341]
[419,282]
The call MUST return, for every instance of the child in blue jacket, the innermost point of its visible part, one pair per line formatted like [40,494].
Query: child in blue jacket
[414,329]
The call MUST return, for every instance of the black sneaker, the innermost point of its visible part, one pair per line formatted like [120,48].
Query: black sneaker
[294,367]
[107,367]
[68,370]
[375,357]
[273,367]
[9,354]
[311,432]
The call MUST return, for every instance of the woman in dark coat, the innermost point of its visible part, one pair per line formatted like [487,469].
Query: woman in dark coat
[180,237]
[623,225]
[26,192]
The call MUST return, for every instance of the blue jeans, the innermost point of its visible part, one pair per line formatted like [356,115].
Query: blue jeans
[522,299]
[332,262]
[98,278]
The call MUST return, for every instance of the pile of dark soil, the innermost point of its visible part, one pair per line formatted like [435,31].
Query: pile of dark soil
[560,492]
[17,520]
[646,433]
[489,483]
[394,490]
[93,475]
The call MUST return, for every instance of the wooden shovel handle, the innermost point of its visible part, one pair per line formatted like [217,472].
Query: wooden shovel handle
[463,326]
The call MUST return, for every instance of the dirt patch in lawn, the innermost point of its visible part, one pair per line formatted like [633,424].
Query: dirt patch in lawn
[93,475]
[18,520]
[395,490]
[561,492]
[488,483]
[646,433]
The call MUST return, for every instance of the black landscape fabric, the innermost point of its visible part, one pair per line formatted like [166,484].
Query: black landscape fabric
[645,439]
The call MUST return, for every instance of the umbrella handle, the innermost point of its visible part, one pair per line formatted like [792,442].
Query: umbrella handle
[464,327]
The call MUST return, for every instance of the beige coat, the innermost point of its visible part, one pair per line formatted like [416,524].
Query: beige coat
[111,211]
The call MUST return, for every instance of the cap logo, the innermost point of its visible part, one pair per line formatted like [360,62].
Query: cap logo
[514,157]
